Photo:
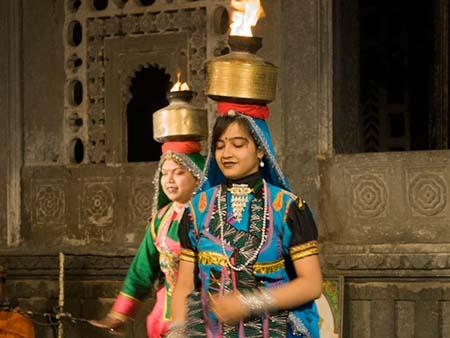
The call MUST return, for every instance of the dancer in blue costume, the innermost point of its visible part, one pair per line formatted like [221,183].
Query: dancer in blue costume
[249,264]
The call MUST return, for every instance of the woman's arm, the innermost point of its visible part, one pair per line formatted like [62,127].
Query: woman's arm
[138,282]
[185,280]
[300,239]
[305,287]
[183,287]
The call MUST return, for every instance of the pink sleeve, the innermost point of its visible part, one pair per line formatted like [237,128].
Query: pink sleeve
[125,307]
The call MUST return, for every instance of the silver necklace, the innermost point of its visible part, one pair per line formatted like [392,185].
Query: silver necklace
[255,254]
[239,199]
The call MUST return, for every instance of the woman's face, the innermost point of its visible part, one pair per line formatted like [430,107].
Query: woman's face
[236,152]
[177,182]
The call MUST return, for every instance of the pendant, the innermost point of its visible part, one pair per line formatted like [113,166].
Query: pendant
[239,199]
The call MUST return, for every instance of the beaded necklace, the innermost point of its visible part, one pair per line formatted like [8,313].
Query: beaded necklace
[255,254]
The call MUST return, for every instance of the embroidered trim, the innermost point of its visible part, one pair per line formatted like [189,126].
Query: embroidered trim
[262,141]
[303,254]
[130,297]
[202,202]
[183,160]
[300,203]
[268,267]
[192,214]
[302,247]
[214,258]
[211,258]
[152,227]
[278,202]
[297,326]
[188,256]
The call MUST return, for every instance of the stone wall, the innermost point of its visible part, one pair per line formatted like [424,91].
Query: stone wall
[43,81]
[397,308]
[91,284]
[87,209]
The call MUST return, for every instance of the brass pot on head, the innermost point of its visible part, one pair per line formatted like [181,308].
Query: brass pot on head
[241,75]
[180,120]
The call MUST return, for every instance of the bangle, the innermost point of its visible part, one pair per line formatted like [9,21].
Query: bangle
[119,316]
[258,302]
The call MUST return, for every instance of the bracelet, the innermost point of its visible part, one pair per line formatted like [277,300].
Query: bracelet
[119,316]
[258,302]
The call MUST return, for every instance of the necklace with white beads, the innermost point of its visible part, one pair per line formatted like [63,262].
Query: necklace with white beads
[255,254]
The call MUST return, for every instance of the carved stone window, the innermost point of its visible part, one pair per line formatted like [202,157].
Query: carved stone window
[116,41]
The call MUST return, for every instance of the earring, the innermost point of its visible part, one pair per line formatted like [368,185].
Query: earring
[261,163]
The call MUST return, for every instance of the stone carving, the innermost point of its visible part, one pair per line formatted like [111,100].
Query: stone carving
[389,262]
[141,201]
[369,195]
[130,24]
[96,87]
[192,20]
[112,25]
[98,204]
[427,194]
[125,19]
[96,27]
[49,202]
[94,48]
[148,23]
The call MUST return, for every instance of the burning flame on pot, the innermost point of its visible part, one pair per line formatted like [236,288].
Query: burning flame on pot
[245,16]
[180,86]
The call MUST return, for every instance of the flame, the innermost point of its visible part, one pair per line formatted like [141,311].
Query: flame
[245,16]
[179,86]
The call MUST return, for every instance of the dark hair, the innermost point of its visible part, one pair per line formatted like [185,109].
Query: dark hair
[222,123]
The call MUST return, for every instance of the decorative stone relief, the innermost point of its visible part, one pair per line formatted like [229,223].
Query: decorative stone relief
[98,204]
[427,193]
[141,202]
[132,19]
[369,195]
[191,21]
[48,265]
[48,202]
[391,262]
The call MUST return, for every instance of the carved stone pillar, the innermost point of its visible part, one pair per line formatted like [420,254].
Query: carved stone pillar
[305,77]
[11,135]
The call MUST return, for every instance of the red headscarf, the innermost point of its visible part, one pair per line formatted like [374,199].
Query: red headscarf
[183,147]
[252,110]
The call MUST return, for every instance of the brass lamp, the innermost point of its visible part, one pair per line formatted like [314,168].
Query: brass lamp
[180,120]
[241,75]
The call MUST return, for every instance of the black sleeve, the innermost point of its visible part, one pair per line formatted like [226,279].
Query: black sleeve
[184,231]
[301,223]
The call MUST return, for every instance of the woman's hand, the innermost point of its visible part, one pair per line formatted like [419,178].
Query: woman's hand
[228,308]
[110,323]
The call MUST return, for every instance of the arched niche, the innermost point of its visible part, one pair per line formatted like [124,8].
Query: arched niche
[148,90]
